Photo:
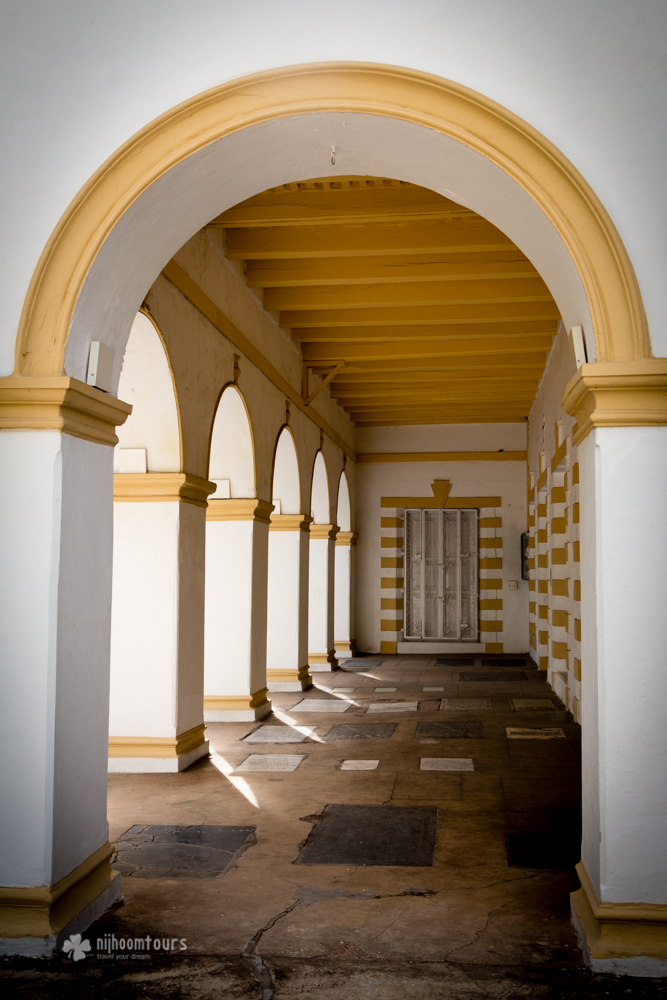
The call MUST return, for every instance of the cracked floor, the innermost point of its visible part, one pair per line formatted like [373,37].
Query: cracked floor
[469,926]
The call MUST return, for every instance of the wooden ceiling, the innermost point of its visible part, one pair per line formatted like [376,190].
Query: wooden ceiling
[420,309]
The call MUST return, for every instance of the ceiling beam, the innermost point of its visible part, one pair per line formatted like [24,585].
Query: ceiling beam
[422,349]
[500,312]
[424,331]
[439,236]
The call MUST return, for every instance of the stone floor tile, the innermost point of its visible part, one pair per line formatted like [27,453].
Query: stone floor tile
[387,690]
[322,705]
[279,734]
[531,705]
[515,733]
[270,762]
[393,706]
[446,764]
[359,765]
[465,705]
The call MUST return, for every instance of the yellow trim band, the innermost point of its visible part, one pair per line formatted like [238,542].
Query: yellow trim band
[43,911]
[239,510]
[162,747]
[289,522]
[63,404]
[619,930]
[617,394]
[238,702]
[161,487]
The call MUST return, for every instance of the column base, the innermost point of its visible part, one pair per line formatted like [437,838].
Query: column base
[155,754]
[35,922]
[237,708]
[321,663]
[624,939]
[345,648]
[289,680]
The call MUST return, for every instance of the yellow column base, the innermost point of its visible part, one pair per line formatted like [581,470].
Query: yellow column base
[322,662]
[141,754]
[33,919]
[621,938]
[345,648]
[289,680]
[237,708]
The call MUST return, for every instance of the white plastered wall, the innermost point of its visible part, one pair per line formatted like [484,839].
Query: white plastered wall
[506,479]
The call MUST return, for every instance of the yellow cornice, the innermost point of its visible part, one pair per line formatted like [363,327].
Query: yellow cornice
[42,911]
[61,403]
[161,487]
[327,531]
[497,134]
[617,394]
[290,522]
[157,746]
[347,538]
[239,510]
[442,456]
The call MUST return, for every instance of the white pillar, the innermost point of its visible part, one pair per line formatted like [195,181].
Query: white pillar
[55,598]
[237,535]
[156,720]
[344,642]
[287,612]
[321,651]
[621,910]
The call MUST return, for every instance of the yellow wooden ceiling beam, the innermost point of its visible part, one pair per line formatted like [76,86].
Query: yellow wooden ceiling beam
[291,273]
[470,292]
[391,366]
[424,331]
[423,349]
[453,418]
[440,236]
[335,202]
[497,312]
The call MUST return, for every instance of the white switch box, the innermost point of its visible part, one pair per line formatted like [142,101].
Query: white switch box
[579,345]
[512,585]
[100,366]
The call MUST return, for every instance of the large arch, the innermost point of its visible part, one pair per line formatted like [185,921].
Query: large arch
[232,452]
[378,119]
[286,483]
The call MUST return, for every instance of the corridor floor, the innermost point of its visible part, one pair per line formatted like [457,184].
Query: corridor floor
[470,925]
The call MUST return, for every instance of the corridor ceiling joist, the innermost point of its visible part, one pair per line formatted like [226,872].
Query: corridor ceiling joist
[437,316]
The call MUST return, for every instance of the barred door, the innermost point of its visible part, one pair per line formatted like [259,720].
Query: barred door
[441,591]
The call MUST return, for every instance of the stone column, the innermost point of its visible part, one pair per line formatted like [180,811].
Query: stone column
[621,910]
[237,542]
[56,454]
[344,642]
[287,616]
[156,720]
[321,651]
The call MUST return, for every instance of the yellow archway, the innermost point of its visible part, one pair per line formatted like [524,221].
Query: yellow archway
[525,155]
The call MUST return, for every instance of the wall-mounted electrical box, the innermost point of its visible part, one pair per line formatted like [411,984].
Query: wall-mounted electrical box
[579,345]
[100,366]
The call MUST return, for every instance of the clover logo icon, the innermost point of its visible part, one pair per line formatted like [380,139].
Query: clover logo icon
[76,948]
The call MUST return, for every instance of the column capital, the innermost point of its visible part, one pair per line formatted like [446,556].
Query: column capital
[290,522]
[239,509]
[328,531]
[161,487]
[617,394]
[346,538]
[61,403]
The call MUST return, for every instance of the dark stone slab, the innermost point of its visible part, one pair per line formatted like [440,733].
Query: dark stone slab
[450,730]
[504,663]
[364,731]
[180,852]
[372,835]
[361,664]
[507,675]
[543,849]
[455,661]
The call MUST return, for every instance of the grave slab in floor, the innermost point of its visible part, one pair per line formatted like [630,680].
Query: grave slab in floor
[449,730]
[446,764]
[189,852]
[485,678]
[322,705]
[359,765]
[278,734]
[531,705]
[270,762]
[372,835]
[393,706]
[516,733]
[363,731]
[465,705]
